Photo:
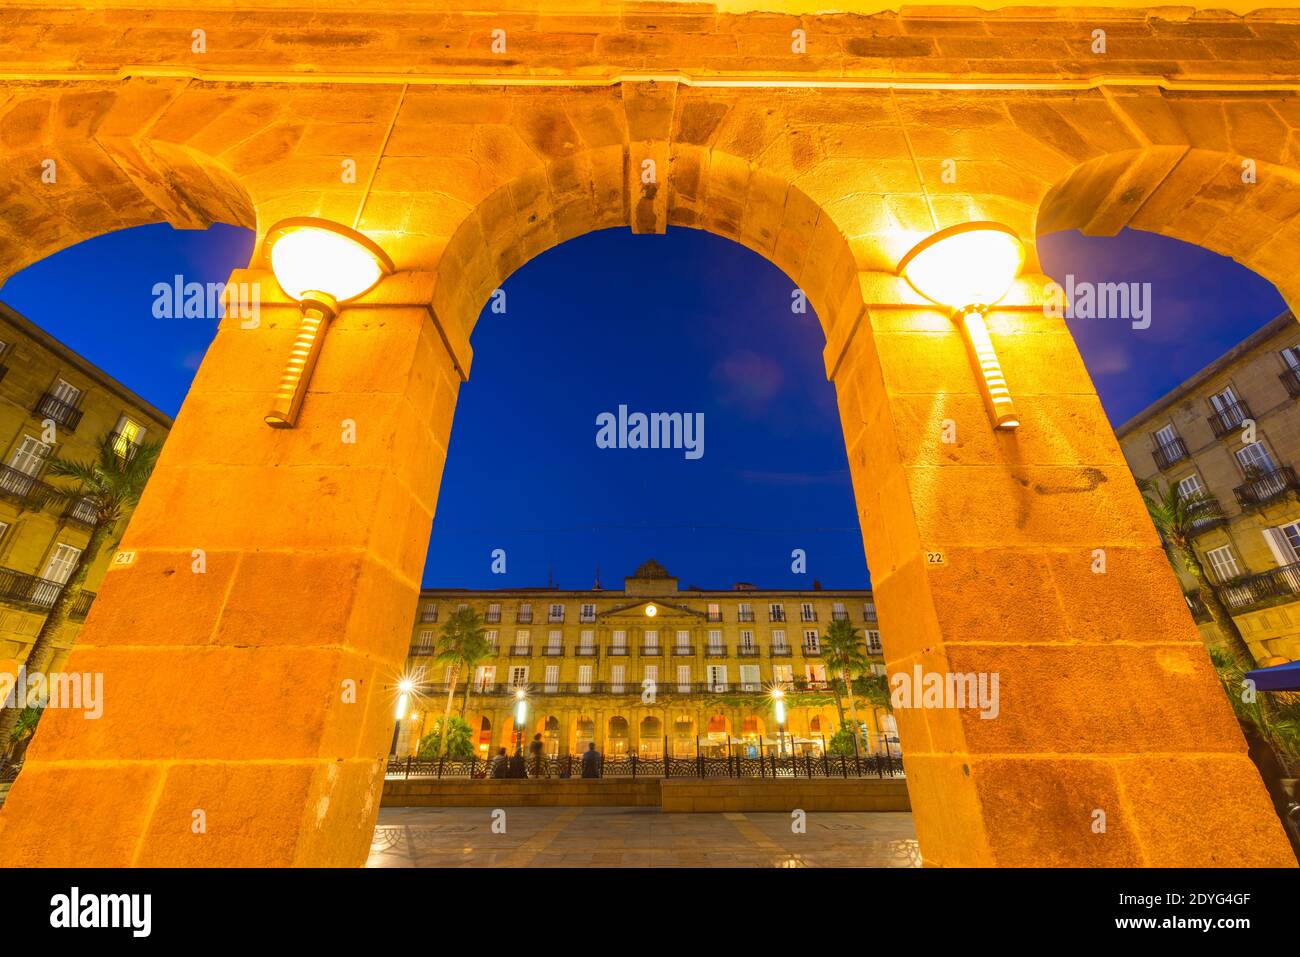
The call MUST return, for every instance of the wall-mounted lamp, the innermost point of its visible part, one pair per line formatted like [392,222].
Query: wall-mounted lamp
[969,268]
[320,264]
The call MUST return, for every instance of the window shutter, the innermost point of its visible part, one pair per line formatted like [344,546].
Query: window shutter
[1282,551]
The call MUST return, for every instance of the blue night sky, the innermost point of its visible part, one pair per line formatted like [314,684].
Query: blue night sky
[687,322]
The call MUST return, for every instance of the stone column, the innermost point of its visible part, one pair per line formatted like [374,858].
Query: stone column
[1029,556]
[259,609]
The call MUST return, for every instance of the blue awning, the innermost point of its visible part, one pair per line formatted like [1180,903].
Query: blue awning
[1278,678]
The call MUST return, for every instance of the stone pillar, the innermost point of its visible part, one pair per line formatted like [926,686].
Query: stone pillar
[259,611]
[986,552]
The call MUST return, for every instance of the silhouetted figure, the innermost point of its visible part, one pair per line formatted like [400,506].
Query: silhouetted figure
[536,754]
[500,764]
[591,762]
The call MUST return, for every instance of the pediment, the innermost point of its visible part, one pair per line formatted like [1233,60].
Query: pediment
[635,611]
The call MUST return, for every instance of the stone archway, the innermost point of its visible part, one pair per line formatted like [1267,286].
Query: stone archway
[832,178]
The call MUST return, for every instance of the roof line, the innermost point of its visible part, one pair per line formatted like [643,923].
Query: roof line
[1267,331]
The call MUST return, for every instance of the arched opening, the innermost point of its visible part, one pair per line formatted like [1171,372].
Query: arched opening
[683,737]
[651,738]
[617,742]
[585,733]
[484,736]
[551,736]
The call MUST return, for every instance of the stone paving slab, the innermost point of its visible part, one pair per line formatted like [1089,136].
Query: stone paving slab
[637,837]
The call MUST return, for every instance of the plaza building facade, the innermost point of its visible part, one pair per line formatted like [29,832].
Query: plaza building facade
[648,667]
[53,404]
[1231,434]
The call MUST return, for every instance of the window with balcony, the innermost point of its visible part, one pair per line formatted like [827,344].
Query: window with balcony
[783,675]
[868,611]
[586,642]
[618,642]
[806,612]
[811,642]
[584,679]
[650,641]
[424,646]
[1284,542]
[127,436]
[745,612]
[518,676]
[715,611]
[493,638]
[485,677]
[1169,447]
[552,679]
[1229,412]
[493,613]
[525,613]
[775,612]
[684,678]
[1290,374]
[838,613]
[1223,563]
[749,679]
[60,404]
[747,646]
[429,613]
[554,642]
[523,642]
[617,675]
[815,675]
[718,678]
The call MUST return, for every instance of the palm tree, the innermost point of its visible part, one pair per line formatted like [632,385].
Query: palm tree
[463,641]
[844,650]
[110,486]
[1175,517]
[474,655]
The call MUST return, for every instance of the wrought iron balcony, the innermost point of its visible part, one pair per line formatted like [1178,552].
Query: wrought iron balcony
[715,616]
[715,651]
[586,651]
[553,651]
[521,651]
[492,618]
[653,651]
[421,650]
[618,651]
[839,616]
[1266,487]
[747,651]
[587,619]
[555,619]
[776,616]
[81,605]
[1169,453]
[1196,605]
[524,618]
[682,651]
[429,615]
[23,589]
[1261,589]
[22,488]
[1229,418]
[779,651]
[1290,378]
[811,651]
[50,406]
[1206,513]
[745,616]
[808,616]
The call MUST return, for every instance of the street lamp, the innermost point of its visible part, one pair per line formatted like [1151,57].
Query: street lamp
[404,687]
[778,702]
[320,264]
[521,717]
[969,268]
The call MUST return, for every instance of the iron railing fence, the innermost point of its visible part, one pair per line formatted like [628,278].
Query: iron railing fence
[806,765]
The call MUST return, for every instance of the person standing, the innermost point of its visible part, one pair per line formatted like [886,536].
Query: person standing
[536,756]
[591,762]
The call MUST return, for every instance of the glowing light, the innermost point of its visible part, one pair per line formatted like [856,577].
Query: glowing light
[521,707]
[969,268]
[651,611]
[320,264]
[406,686]
[403,702]
[316,256]
[971,265]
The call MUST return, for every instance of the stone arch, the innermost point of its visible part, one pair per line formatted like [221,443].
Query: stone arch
[707,189]
[650,736]
[551,735]
[107,175]
[1191,193]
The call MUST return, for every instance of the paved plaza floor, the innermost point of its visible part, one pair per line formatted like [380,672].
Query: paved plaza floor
[637,837]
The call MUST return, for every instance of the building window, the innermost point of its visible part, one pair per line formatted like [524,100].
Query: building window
[715,640]
[718,678]
[485,678]
[1284,542]
[557,613]
[815,675]
[584,679]
[554,640]
[57,570]
[1166,437]
[783,674]
[552,678]
[525,615]
[806,612]
[652,638]
[493,638]
[749,680]
[586,638]
[1190,488]
[683,678]
[493,613]
[29,458]
[523,637]
[650,677]
[715,611]
[588,612]
[616,676]
[747,639]
[127,436]
[873,643]
[1224,563]
[620,639]
[838,613]
[778,637]
[1255,460]
[1291,356]
[775,612]
[425,644]
[810,640]
[869,611]
[683,639]
[745,612]
[518,676]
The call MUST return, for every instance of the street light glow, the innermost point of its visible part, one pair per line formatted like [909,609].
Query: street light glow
[968,268]
[320,264]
